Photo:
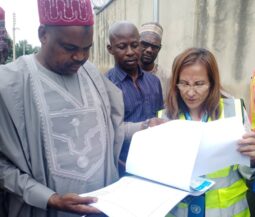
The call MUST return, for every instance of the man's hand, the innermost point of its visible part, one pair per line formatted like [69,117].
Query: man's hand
[152,123]
[247,145]
[156,121]
[73,203]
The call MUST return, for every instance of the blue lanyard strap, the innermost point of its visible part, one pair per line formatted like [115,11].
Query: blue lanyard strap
[187,116]
[204,118]
[197,206]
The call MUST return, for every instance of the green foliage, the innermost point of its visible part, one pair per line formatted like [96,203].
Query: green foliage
[22,48]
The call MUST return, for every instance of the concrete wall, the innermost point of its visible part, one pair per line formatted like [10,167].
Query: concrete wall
[135,11]
[226,27]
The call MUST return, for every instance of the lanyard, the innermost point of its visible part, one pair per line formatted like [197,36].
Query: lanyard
[204,118]
[196,208]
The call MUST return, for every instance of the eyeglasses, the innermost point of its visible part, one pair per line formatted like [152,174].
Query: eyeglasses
[198,88]
[145,45]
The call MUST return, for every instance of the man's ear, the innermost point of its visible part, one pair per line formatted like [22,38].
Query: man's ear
[109,48]
[42,33]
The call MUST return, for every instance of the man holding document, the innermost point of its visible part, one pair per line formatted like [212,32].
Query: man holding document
[61,121]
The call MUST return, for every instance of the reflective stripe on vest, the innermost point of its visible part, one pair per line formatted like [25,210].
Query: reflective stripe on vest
[241,210]
[231,107]
[220,182]
[227,197]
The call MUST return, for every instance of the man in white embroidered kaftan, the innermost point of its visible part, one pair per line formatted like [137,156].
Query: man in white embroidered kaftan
[61,120]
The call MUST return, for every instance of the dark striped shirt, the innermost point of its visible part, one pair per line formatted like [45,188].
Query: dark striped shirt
[140,103]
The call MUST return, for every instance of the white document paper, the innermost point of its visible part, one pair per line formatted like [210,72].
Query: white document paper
[169,157]
[164,151]
[134,197]
[218,148]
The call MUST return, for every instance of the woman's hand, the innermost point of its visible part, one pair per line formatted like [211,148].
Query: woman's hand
[247,145]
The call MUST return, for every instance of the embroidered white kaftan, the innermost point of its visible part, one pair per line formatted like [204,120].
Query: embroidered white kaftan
[57,134]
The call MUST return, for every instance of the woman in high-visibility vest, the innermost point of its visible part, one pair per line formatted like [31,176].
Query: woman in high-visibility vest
[195,94]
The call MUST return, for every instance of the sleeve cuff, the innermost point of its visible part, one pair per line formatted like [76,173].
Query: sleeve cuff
[38,195]
[131,128]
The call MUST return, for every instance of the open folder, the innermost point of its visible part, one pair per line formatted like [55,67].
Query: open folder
[166,163]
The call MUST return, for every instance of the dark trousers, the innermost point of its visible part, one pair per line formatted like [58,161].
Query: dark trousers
[251,198]
[251,202]
[3,210]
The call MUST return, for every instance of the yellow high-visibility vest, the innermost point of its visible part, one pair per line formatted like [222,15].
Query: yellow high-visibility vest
[228,196]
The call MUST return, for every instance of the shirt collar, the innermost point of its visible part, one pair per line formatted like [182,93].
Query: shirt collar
[122,75]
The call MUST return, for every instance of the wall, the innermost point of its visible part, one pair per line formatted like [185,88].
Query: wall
[225,27]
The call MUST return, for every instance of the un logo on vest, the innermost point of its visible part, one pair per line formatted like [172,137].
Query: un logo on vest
[195,209]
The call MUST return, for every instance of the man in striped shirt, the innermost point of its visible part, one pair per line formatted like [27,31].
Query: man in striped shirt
[142,92]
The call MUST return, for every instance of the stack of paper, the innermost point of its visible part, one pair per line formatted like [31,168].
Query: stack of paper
[166,161]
